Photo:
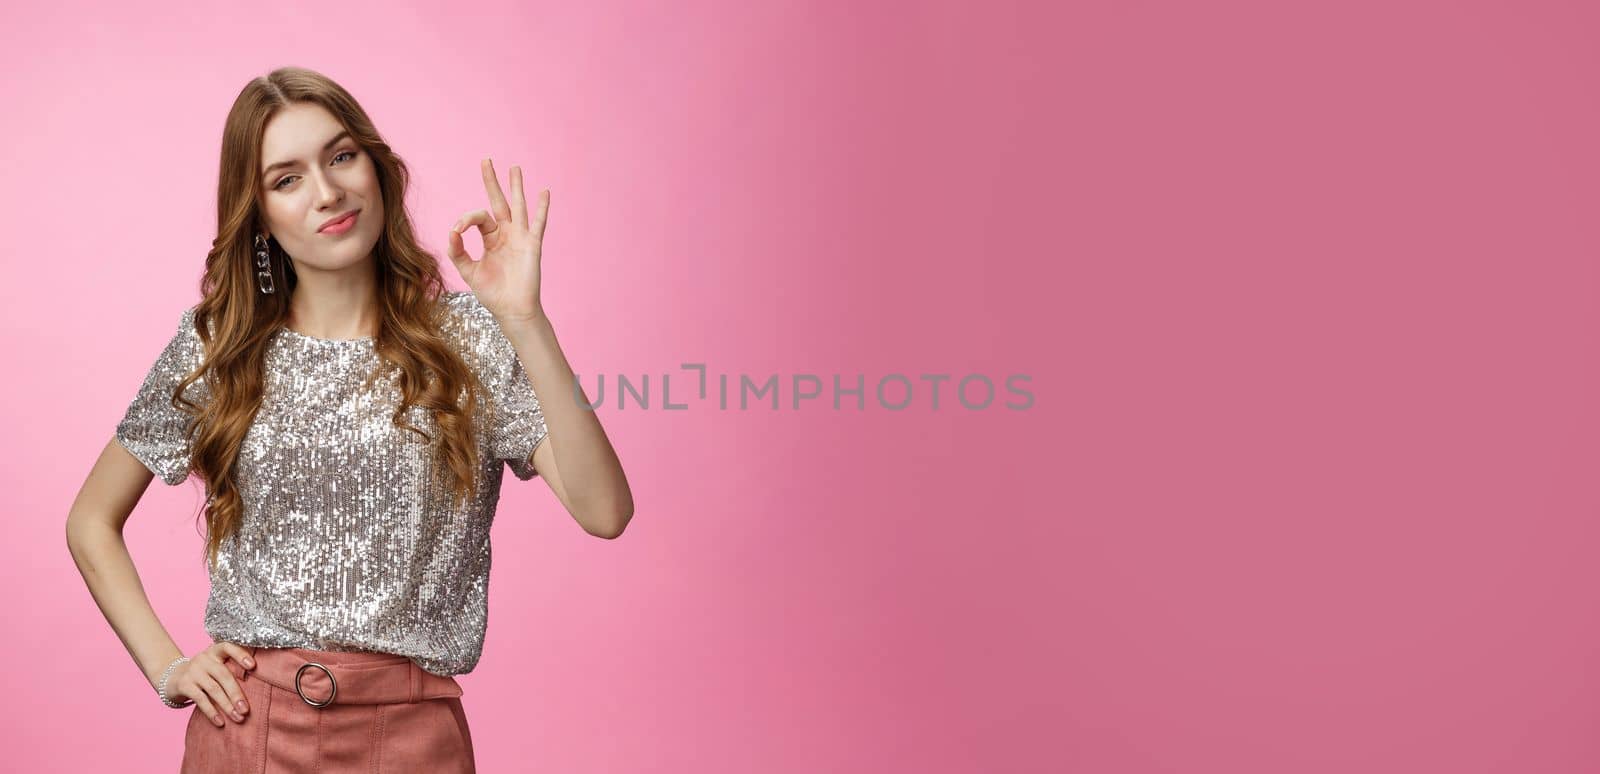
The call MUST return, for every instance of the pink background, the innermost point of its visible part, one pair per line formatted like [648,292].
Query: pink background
[1307,294]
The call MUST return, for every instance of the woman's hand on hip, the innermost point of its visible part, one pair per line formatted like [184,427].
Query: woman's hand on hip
[206,680]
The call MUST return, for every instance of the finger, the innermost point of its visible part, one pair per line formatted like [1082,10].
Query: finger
[537,227]
[196,692]
[481,218]
[238,653]
[217,687]
[497,198]
[456,251]
[519,202]
[456,247]
[237,702]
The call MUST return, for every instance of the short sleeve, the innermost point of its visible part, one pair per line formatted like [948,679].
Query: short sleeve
[153,430]
[516,422]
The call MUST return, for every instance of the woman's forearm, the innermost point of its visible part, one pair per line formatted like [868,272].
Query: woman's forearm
[107,567]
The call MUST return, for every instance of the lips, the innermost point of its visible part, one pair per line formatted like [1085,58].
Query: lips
[338,221]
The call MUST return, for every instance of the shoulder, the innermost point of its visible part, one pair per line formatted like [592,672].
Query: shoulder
[463,315]
[187,324]
[463,305]
[186,336]
[189,330]
[469,324]
[182,352]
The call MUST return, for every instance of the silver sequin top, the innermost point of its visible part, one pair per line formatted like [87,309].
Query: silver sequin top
[346,542]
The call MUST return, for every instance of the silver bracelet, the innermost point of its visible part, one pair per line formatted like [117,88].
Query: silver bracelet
[161,687]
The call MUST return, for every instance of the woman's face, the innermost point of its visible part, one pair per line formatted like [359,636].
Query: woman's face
[324,175]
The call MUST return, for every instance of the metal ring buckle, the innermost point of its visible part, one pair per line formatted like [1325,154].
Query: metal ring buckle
[333,685]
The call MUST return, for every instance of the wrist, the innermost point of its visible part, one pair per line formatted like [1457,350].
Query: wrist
[153,670]
[163,684]
[531,319]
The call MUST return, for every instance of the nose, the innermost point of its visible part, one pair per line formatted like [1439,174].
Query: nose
[328,192]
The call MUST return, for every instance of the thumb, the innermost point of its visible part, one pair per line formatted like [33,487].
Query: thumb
[457,253]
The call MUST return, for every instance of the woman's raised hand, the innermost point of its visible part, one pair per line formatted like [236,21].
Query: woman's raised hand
[506,279]
[206,680]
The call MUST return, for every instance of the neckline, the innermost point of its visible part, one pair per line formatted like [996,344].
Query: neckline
[314,340]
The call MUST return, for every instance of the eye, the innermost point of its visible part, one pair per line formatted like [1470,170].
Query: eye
[287,178]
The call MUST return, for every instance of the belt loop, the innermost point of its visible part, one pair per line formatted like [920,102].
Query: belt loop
[415,673]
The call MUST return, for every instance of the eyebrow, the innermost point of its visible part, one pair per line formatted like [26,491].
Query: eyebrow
[325,148]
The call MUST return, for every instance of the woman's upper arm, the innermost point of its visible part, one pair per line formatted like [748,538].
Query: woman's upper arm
[112,489]
[152,438]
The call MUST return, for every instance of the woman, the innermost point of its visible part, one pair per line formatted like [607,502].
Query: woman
[348,417]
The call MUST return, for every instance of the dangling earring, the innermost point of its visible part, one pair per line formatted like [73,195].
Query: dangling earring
[263,273]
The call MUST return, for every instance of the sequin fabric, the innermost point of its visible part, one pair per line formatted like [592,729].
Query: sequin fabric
[348,540]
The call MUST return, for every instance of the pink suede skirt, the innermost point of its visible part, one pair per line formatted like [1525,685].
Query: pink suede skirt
[351,712]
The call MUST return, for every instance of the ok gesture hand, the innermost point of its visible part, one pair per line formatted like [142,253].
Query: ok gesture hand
[506,279]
